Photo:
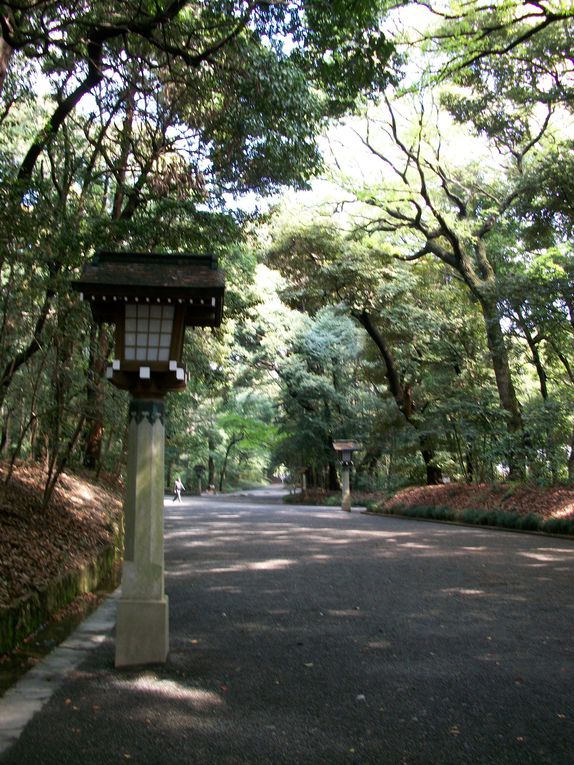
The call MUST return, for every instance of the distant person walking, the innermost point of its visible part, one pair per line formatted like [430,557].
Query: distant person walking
[178,487]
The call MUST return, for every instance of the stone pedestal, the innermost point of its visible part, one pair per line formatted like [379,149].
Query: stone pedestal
[346,493]
[142,628]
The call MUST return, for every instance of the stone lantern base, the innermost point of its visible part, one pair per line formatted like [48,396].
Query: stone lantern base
[142,631]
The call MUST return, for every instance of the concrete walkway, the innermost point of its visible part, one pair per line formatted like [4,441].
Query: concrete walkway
[307,635]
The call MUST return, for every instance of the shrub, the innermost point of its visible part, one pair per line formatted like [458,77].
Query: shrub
[530,522]
[504,519]
[558,526]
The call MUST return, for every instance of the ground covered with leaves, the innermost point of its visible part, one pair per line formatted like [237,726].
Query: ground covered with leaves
[547,501]
[508,505]
[36,545]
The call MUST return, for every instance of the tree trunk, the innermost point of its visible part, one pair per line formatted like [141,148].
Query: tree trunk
[4,435]
[100,346]
[571,459]
[5,56]
[19,359]
[210,460]
[58,464]
[333,478]
[536,359]
[235,439]
[312,482]
[6,50]
[434,472]
[469,467]
[105,451]
[95,397]
[122,165]
[391,371]
[506,391]
[401,393]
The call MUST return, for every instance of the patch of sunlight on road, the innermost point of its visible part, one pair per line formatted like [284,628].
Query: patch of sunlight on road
[547,557]
[387,535]
[416,546]
[169,689]
[273,564]
[344,612]
[378,645]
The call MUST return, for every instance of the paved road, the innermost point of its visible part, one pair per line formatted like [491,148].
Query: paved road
[304,636]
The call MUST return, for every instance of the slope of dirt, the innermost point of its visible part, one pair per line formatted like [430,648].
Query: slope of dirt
[549,502]
[37,546]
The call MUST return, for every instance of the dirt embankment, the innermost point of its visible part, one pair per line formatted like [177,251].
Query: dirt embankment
[38,546]
[548,502]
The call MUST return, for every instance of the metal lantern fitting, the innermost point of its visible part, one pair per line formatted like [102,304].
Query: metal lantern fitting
[151,299]
[345,449]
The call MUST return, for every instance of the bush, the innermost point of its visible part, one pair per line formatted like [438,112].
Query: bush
[499,518]
[529,522]
[558,526]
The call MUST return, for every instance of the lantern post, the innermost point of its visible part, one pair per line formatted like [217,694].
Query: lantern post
[151,299]
[345,449]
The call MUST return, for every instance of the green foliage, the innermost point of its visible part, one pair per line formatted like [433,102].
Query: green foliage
[500,519]
[431,319]
[510,52]
[558,526]
[138,128]
[546,202]
[319,395]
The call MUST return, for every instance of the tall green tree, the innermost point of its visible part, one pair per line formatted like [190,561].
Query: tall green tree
[319,396]
[250,79]
[429,203]
[134,126]
[422,329]
[506,53]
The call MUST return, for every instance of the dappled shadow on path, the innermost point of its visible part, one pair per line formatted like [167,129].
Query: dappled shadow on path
[315,607]
[308,635]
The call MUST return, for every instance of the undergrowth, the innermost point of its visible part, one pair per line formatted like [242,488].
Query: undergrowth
[499,518]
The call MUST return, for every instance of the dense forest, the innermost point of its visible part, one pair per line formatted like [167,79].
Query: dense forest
[388,187]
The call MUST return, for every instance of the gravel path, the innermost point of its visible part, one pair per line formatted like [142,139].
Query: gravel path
[304,635]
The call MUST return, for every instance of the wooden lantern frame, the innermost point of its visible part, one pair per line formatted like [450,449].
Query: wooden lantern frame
[191,284]
[346,447]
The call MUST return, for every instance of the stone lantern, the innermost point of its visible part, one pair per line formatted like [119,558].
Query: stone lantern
[345,449]
[151,299]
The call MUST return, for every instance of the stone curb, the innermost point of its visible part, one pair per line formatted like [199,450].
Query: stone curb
[21,702]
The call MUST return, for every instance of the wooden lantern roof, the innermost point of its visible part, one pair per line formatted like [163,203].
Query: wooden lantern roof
[346,445]
[192,282]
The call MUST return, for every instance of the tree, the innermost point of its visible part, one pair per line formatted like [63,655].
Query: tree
[319,398]
[539,311]
[428,206]
[510,51]
[151,117]
[228,65]
[409,315]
